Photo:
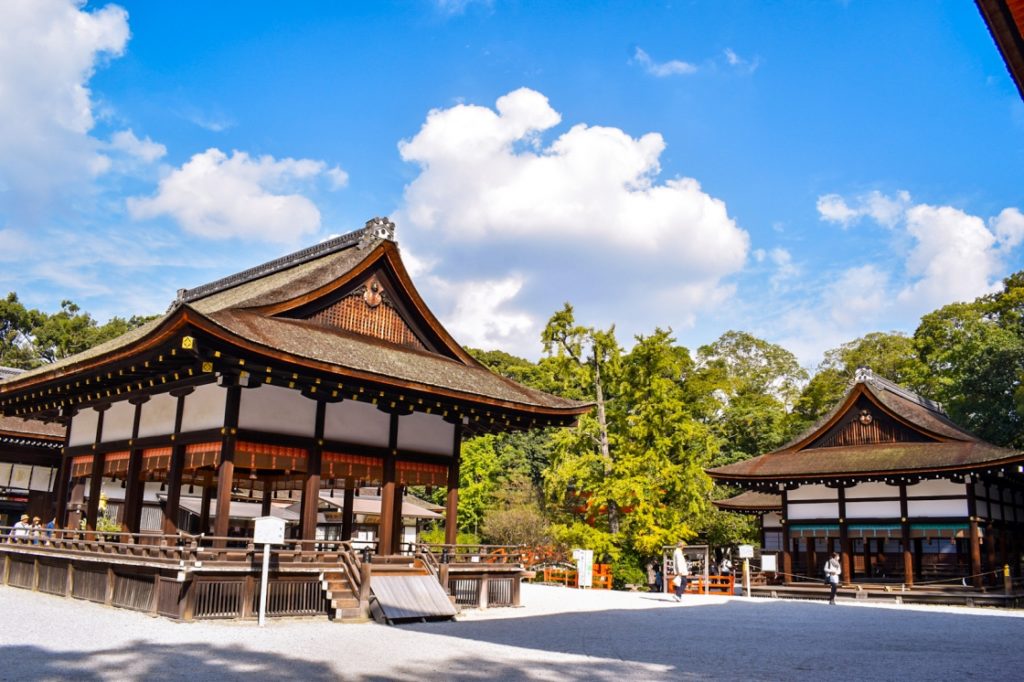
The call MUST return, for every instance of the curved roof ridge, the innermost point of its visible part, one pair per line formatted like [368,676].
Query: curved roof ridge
[376,228]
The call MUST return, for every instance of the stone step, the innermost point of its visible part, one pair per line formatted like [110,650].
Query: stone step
[350,615]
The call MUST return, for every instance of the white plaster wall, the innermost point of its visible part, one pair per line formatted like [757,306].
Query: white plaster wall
[277,410]
[5,473]
[916,508]
[772,520]
[204,408]
[823,510]
[873,510]
[83,427]
[813,492]
[938,487]
[158,415]
[118,422]
[873,489]
[425,433]
[21,476]
[356,422]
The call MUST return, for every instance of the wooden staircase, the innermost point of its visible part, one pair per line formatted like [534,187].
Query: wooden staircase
[343,596]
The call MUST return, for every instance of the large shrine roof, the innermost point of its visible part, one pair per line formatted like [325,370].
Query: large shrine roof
[878,429]
[292,309]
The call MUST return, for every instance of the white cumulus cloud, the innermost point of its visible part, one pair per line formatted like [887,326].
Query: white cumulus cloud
[673,67]
[581,216]
[484,175]
[883,209]
[218,196]
[49,50]
[145,150]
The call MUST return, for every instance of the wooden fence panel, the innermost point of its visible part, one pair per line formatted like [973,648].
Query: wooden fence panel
[218,598]
[501,591]
[466,590]
[292,598]
[53,579]
[169,597]
[91,585]
[133,592]
[21,574]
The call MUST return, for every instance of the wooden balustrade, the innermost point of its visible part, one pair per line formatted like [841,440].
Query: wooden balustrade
[511,555]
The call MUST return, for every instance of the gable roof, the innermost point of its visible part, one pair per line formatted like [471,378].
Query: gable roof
[261,310]
[1005,20]
[878,429]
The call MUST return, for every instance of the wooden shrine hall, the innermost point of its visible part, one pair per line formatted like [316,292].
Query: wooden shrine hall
[890,483]
[323,369]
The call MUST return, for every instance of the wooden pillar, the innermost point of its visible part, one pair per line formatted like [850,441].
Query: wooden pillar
[134,488]
[268,495]
[846,564]
[311,487]
[77,503]
[64,476]
[92,510]
[451,512]
[175,471]
[204,508]
[787,546]
[386,526]
[347,514]
[812,557]
[990,547]
[975,536]
[396,517]
[226,469]
[908,550]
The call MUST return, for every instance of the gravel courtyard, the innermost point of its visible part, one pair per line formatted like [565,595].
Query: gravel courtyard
[560,634]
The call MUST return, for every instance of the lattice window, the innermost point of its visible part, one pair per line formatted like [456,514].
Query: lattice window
[367,311]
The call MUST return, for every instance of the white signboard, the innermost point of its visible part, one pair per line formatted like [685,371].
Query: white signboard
[768,563]
[746,551]
[584,567]
[269,531]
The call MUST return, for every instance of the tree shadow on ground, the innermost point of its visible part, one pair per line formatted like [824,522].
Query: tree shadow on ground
[751,639]
[154,663]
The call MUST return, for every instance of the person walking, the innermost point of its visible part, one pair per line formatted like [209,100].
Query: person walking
[833,569]
[681,569]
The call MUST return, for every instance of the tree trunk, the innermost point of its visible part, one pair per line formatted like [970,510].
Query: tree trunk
[606,455]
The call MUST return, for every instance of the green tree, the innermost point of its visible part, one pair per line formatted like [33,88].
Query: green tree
[16,324]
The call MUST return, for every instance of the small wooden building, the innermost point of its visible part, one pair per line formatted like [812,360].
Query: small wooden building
[29,461]
[894,486]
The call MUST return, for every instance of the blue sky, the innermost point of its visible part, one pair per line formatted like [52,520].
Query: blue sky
[808,172]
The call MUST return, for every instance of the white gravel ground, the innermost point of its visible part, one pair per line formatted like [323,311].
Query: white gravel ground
[560,634]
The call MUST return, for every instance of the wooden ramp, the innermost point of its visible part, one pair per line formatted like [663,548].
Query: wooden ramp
[411,597]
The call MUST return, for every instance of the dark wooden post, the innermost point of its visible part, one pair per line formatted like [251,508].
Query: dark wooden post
[347,515]
[268,495]
[64,475]
[975,536]
[811,544]
[204,507]
[396,518]
[386,526]
[226,470]
[175,471]
[77,501]
[990,547]
[311,488]
[787,545]
[134,488]
[844,538]
[92,510]
[908,550]
[451,512]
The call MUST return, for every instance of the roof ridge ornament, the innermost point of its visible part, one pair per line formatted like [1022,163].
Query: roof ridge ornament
[377,228]
[866,376]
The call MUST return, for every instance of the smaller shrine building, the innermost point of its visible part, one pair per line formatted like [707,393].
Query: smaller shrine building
[889,482]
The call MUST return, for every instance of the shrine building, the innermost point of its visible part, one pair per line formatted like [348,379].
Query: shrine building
[889,482]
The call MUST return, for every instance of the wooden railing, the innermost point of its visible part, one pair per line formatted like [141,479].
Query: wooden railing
[601,578]
[511,555]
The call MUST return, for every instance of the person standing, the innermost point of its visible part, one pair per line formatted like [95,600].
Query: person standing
[833,569]
[681,569]
[20,531]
